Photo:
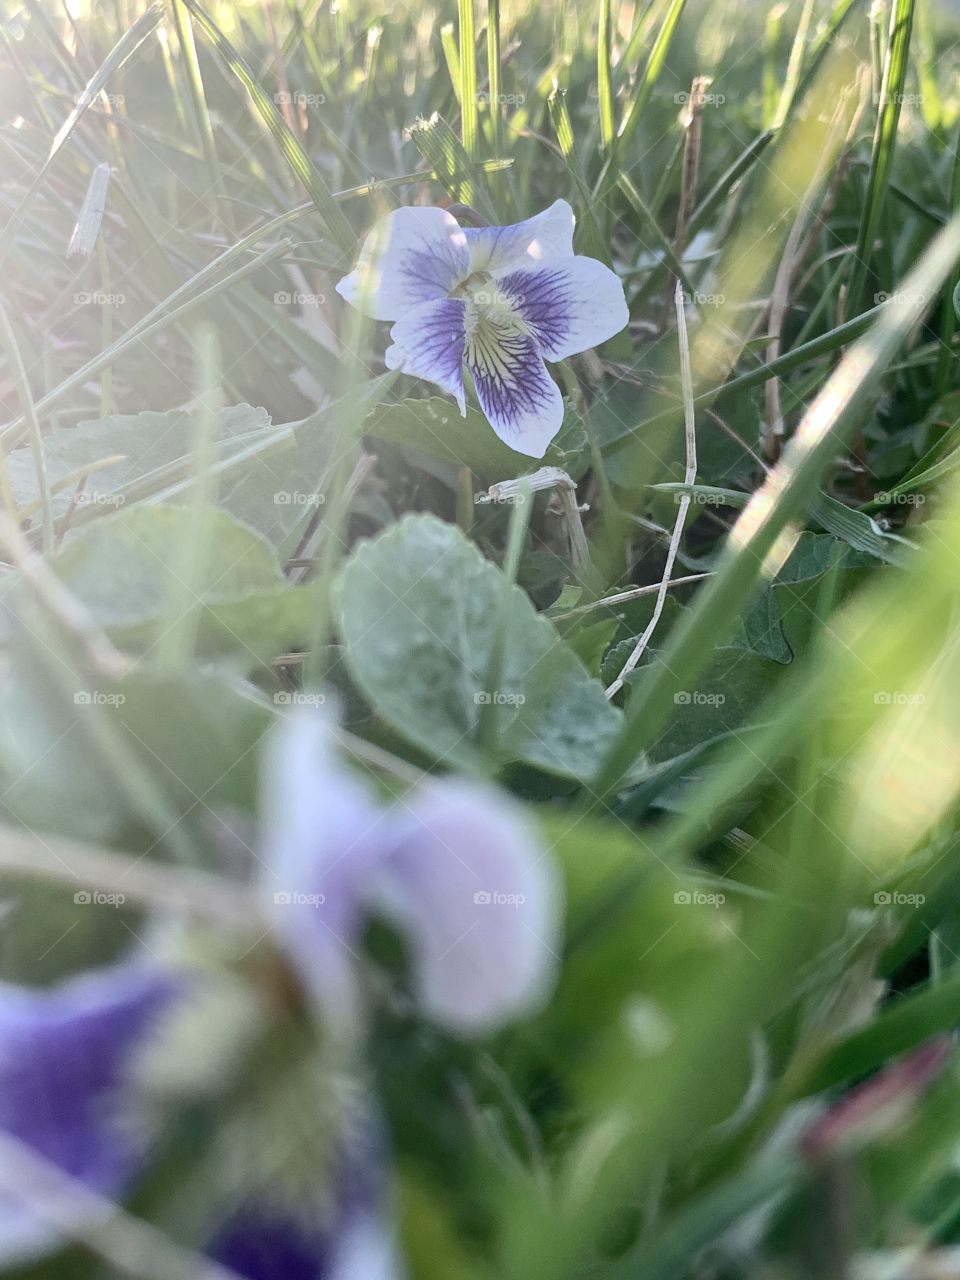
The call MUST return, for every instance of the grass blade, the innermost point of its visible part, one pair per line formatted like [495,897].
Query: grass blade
[291,150]
[469,107]
[493,73]
[604,79]
[884,141]
[765,524]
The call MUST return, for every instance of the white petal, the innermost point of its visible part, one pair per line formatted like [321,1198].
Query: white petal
[428,343]
[546,235]
[319,839]
[478,900]
[522,402]
[412,256]
[571,305]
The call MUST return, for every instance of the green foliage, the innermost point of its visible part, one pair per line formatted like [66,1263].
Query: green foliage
[416,611]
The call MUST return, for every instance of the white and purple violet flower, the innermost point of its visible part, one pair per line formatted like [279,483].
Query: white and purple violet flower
[451,865]
[496,300]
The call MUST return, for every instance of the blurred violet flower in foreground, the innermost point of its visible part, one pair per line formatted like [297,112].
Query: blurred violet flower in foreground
[450,865]
[453,865]
[499,300]
[69,1093]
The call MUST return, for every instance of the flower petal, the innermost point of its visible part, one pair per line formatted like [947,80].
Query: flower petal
[546,235]
[521,401]
[319,842]
[64,1059]
[412,256]
[479,904]
[428,343]
[572,305]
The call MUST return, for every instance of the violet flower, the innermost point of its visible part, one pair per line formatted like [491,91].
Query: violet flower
[68,1091]
[453,865]
[498,300]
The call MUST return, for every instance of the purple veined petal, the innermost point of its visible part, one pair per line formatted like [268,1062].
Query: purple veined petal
[478,901]
[65,1056]
[412,256]
[571,306]
[350,1237]
[521,401]
[320,841]
[546,235]
[428,343]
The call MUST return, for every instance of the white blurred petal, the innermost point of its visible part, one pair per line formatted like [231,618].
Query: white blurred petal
[479,902]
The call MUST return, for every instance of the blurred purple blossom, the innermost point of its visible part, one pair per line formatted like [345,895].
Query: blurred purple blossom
[453,865]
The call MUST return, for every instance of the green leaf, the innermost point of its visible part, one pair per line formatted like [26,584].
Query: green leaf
[727,694]
[119,570]
[436,427]
[416,610]
[143,443]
